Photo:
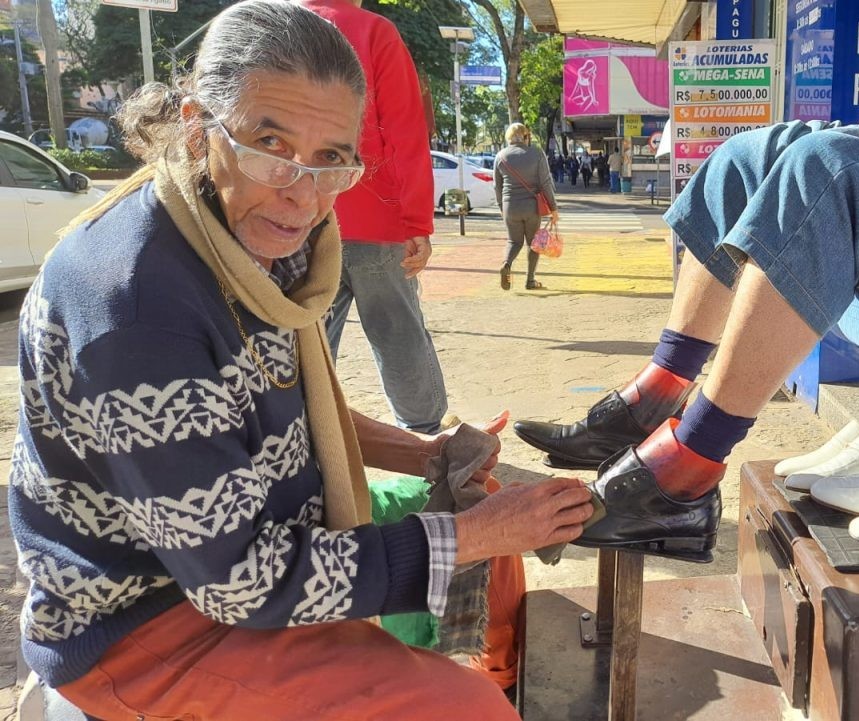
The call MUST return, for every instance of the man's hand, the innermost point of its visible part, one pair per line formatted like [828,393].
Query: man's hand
[555,216]
[493,427]
[519,518]
[417,254]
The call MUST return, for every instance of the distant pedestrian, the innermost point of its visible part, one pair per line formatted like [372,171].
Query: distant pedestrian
[601,170]
[522,171]
[587,169]
[573,169]
[615,163]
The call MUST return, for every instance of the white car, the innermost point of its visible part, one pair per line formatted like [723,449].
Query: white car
[38,197]
[477,180]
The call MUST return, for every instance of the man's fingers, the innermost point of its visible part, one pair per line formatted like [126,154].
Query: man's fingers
[497,424]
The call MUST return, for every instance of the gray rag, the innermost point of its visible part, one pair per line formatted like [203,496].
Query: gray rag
[463,627]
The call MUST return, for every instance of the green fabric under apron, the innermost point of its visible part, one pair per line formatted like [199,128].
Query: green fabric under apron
[392,499]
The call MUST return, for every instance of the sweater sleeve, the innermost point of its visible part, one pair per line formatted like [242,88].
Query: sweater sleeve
[167,432]
[401,118]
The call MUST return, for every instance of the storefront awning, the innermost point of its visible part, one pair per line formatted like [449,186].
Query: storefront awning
[634,21]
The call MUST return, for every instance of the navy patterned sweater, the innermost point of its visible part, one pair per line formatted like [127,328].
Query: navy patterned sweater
[155,463]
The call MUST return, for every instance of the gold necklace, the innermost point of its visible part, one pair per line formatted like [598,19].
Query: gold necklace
[257,358]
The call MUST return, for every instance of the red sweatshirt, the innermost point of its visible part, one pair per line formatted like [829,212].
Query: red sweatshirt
[394,199]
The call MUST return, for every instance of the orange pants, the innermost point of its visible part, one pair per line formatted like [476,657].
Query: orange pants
[183,665]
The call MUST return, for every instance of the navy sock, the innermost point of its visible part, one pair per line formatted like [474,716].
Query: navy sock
[683,355]
[709,431]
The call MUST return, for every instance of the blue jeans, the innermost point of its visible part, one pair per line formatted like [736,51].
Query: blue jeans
[787,197]
[390,313]
[614,181]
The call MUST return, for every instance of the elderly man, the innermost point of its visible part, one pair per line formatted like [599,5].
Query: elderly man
[188,497]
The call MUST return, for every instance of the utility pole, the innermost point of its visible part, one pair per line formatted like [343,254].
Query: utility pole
[146,46]
[48,30]
[458,35]
[22,81]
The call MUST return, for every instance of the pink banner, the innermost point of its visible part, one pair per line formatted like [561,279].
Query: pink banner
[586,86]
[572,45]
[650,77]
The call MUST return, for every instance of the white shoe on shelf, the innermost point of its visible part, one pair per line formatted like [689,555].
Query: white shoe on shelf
[845,463]
[802,481]
[853,529]
[841,492]
[836,444]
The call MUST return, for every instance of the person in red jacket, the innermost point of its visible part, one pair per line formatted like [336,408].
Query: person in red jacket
[386,221]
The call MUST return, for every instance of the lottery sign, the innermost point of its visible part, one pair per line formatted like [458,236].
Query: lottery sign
[718,88]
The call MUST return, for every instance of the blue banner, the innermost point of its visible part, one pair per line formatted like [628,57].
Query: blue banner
[810,59]
[735,19]
[845,80]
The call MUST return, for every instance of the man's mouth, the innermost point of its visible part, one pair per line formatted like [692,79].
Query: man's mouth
[286,231]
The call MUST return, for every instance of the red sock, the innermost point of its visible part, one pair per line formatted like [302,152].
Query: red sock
[680,473]
[655,394]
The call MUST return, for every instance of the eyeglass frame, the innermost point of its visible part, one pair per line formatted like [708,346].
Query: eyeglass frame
[303,170]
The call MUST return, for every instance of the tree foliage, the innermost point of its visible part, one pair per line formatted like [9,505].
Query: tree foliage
[417,22]
[115,52]
[542,83]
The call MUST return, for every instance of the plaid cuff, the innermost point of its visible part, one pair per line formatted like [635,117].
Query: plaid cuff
[441,537]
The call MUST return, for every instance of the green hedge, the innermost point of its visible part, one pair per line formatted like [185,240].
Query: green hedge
[91,159]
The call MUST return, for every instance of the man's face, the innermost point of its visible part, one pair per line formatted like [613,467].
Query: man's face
[290,117]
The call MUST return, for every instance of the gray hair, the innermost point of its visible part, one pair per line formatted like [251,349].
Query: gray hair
[250,36]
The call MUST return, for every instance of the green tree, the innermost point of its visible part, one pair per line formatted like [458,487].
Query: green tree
[503,23]
[115,52]
[542,83]
[77,32]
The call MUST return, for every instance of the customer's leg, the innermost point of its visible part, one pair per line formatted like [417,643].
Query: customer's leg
[183,665]
[390,312]
[704,215]
[800,230]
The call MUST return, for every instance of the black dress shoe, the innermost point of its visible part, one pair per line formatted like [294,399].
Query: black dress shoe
[584,445]
[641,518]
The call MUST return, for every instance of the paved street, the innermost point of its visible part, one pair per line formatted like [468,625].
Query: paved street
[542,354]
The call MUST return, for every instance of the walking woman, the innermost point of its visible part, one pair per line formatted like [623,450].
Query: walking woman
[522,171]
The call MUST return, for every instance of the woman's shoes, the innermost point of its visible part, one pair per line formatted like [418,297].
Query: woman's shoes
[533,285]
[505,277]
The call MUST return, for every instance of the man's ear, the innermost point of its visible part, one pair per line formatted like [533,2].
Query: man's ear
[195,135]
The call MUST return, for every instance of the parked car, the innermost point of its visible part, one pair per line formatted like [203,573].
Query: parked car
[484,161]
[477,180]
[38,197]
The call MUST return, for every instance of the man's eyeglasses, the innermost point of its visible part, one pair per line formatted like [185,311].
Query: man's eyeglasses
[278,172]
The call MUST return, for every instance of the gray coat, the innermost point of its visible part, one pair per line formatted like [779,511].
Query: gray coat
[529,162]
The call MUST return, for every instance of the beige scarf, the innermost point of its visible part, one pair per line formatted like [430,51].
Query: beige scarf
[346,498]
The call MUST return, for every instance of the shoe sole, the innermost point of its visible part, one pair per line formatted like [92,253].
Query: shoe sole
[505,279]
[553,461]
[694,550]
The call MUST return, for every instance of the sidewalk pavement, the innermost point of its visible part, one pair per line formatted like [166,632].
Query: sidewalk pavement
[541,354]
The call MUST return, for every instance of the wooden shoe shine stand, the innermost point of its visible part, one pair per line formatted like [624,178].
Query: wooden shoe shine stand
[760,645]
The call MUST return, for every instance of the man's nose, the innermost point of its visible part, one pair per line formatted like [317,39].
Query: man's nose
[302,192]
